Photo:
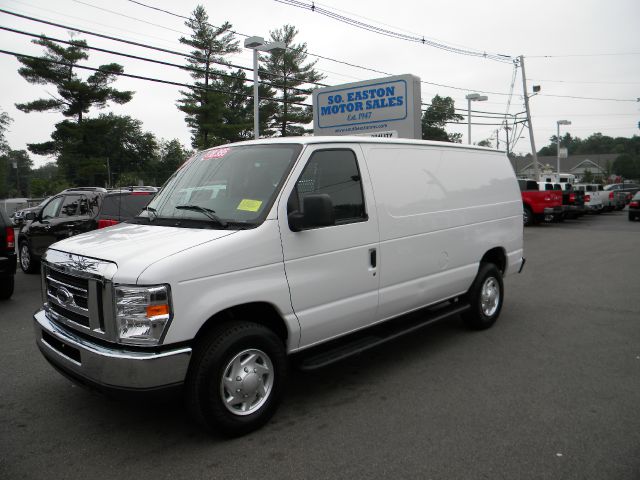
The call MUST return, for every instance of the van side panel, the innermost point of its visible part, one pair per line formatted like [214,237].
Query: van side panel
[440,209]
[243,267]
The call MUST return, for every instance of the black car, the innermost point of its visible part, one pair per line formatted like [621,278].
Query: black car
[7,256]
[74,211]
[629,188]
[634,207]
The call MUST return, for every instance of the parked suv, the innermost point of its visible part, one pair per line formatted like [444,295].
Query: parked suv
[7,256]
[74,211]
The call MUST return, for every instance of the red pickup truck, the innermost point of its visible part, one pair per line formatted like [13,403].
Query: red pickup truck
[539,205]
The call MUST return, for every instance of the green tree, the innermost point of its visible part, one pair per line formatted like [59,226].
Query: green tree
[436,116]
[15,173]
[587,176]
[172,154]
[485,143]
[87,151]
[74,96]
[287,70]
[627,166]
[5,121]
[47,180]
[204,107]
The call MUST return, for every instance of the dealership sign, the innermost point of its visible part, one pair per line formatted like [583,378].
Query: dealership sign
[384,107]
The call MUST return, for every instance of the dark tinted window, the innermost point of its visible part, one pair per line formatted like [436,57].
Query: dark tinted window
[124,205]
[70,206]
[51,209]
[335,173]
[527,185]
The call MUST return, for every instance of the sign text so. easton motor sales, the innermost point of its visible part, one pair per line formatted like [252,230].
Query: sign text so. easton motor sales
[369,108]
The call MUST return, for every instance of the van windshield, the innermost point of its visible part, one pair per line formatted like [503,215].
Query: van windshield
[224,186]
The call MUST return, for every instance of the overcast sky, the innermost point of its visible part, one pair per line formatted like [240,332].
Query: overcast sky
[572,48]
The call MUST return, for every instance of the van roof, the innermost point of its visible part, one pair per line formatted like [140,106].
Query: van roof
[312,140]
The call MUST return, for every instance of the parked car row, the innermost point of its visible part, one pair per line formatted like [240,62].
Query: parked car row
[74,211]
[547,201]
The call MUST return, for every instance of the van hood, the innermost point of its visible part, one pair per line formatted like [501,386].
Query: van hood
[134,247]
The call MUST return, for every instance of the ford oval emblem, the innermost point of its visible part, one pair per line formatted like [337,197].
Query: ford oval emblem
[64,296]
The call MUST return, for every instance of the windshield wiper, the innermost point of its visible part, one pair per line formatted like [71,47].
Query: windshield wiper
[207,211]
[152,211]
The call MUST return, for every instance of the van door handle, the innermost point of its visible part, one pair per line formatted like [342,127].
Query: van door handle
[373,258]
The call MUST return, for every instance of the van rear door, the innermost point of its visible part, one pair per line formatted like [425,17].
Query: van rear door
[332,271]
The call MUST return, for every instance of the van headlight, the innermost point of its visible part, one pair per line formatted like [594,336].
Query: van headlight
[142,313]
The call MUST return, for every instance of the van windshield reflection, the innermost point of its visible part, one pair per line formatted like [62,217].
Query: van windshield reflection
[225,185]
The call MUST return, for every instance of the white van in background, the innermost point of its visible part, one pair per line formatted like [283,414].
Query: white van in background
[311,247]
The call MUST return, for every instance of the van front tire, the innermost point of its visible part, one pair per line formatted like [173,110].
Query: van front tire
[485,298]
[236,378]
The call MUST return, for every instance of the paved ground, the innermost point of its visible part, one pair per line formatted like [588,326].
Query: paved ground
[551,392]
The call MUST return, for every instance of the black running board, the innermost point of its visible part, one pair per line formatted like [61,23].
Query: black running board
[353,344]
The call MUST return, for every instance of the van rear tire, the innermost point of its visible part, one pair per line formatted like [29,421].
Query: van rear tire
[236,378]
[485,298]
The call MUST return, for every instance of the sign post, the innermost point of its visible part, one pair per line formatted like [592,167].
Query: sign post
[384,107]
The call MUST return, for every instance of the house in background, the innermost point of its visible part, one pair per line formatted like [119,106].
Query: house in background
[598,164]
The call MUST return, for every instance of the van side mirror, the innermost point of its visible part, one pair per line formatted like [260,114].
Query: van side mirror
[317,212]
[30,216]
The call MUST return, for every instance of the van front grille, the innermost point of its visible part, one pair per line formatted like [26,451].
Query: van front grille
[76,295]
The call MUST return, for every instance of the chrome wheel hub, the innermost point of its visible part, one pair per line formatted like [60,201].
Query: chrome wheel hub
[247,382]
[490,296]
[25,260]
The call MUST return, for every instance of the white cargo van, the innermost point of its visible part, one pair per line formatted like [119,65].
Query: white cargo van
[256,253]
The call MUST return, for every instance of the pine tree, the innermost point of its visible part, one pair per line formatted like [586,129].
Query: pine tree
[74,96]
[436,116]
[288,71]
[205,108]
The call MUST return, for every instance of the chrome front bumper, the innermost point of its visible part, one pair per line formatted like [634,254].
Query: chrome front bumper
[108,367]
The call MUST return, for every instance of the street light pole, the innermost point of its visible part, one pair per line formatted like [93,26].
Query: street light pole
[558,123]
[258,44]
[256,102]
[472,97]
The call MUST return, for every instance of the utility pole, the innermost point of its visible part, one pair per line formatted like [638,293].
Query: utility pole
[497,139]
[536,171]
[506,129]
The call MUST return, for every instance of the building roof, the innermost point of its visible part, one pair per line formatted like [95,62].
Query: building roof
[597,163]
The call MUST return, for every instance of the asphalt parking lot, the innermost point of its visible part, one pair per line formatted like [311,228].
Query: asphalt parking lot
[551,392]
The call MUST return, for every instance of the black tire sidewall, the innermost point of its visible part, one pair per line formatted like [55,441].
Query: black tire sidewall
[529,213]
[215,357]
[32,262]
[475,318]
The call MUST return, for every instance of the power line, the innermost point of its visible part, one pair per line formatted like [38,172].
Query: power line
[163,50]
[179,84]
[150,79]
[137,44]
[586,83]
[575,97]
[128,16]
[394,34]
[584,55]
[330,59]
[146,59]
